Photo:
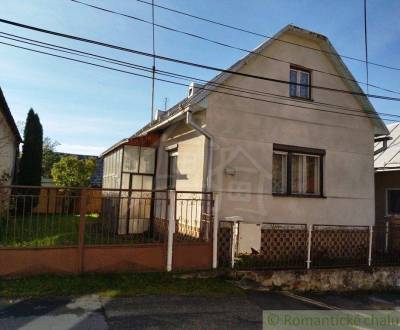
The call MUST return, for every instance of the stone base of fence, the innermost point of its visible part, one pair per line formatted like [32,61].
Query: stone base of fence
[323,280]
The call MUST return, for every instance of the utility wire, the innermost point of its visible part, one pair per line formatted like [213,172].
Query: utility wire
[169,74]
[200,88]
[154,63]
[222,44]
[266,36]
[203,66]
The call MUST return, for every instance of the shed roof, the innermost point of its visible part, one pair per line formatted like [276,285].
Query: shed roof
[389,159]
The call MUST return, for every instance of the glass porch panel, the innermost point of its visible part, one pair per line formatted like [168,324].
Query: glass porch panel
[131,159]
[147,160]
[124,205]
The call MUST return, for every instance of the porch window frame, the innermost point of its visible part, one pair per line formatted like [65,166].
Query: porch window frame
[290,151]
[387,190]
[172,153]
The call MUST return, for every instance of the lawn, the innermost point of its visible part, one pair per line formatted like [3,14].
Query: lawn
[37,230]
[114,285]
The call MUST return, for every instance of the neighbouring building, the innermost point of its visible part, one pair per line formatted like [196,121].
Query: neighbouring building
[96,178]
[387,176]
[9,143]
[274,152]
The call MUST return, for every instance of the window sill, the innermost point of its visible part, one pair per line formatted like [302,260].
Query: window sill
[298,195]
[301,98]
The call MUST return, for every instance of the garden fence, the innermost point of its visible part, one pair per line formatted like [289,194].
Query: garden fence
[50,229]
[301,246]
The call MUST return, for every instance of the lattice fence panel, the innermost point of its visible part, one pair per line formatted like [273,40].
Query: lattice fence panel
[283,246]
[339,246]
[225,236]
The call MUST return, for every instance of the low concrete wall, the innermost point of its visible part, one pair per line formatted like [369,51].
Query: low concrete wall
[324,280]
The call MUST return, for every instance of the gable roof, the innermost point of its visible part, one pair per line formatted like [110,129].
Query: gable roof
[389,159]
[327,48]
[5,110]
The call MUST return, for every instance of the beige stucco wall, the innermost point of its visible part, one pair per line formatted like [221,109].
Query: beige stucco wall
[191,156]
[245,131]
[7,149]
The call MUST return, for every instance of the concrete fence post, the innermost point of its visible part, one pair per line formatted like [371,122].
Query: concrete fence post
[235,233]
[82,221]
[215,230]
[309,243]
[171,227]
[371,232]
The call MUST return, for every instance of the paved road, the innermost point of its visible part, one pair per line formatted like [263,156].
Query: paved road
[163,312]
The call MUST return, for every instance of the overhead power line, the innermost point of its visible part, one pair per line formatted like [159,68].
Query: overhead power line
[167,73]
[203,66]
[365,115]
[266,36]
[110,11]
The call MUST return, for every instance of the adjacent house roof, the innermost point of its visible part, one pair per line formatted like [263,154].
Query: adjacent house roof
[389,159]
[5,110]
[327,48]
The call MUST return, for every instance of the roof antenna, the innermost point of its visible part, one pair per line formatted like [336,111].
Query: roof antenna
[154,64]
[165,103]
[366,42]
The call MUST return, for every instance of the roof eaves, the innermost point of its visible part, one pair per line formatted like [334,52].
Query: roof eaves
[10,119]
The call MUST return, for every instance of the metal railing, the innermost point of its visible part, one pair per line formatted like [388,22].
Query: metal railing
[193,216]
[49,216]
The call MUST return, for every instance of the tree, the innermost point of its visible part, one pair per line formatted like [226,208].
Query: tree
[73,172]
[50,156]
[30,170]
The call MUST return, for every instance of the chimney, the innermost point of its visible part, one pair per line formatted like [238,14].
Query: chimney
[193,89]
[158,114]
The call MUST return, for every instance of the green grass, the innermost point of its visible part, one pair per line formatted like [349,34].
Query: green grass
[38,230]
[115,285]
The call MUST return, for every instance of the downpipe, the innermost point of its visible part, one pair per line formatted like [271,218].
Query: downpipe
[210,147]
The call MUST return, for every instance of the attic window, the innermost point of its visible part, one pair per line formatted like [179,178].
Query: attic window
[300,83]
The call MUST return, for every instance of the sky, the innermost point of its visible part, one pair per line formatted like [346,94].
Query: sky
[88,109]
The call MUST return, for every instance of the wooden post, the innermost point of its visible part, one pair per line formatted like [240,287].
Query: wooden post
[309,242]
[82,218]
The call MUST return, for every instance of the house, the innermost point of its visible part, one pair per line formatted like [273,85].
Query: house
[9,143]
[274,152]
[387,176]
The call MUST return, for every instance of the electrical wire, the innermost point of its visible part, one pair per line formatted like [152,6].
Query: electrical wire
[166,73]
[203,66]
[266,36]
[224,44]
[200,88]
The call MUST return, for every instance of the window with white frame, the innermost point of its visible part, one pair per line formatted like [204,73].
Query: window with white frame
[393,201]
[297,171]
[300,81]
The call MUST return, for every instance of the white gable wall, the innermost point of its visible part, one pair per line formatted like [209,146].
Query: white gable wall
[247,129]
